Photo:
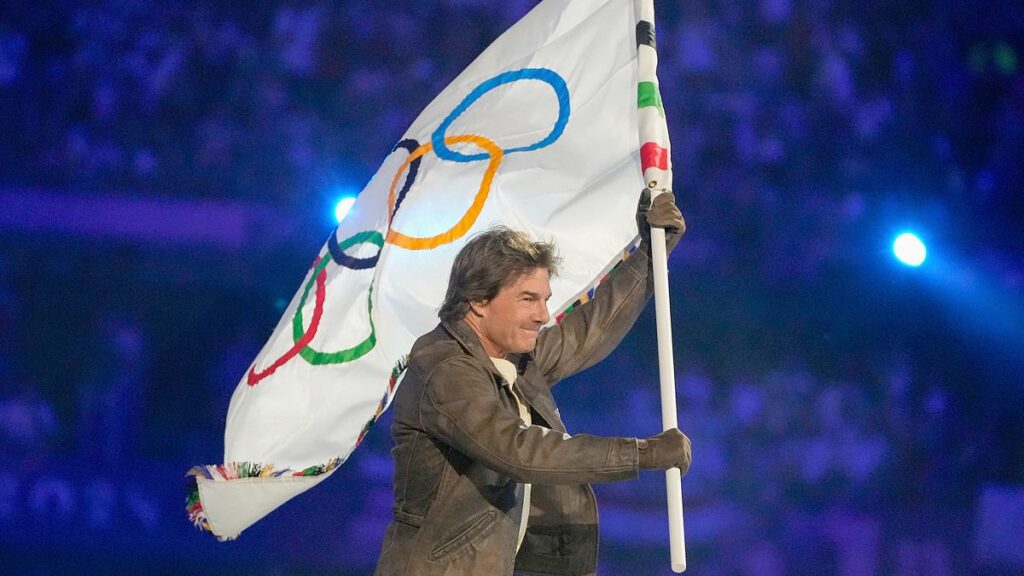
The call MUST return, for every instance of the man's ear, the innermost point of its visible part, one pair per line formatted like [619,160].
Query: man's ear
[477,307]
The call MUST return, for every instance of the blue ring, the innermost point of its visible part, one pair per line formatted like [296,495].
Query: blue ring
[543,74]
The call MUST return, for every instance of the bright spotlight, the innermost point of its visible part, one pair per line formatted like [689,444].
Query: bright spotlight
[343,206]
[909,249]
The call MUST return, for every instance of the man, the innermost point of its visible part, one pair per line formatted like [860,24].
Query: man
[487,481]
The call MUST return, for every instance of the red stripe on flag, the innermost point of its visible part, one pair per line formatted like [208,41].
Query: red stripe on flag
[653,155]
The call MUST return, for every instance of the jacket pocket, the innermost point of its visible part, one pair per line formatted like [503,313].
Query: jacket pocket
[469,531]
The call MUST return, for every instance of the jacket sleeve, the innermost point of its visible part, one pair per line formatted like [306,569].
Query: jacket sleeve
[461,407]
[591,331]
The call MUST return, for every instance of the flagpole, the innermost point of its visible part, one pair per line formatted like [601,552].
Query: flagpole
[669,420]
[656,163]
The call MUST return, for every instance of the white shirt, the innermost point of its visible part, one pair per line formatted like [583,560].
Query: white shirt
[509,373]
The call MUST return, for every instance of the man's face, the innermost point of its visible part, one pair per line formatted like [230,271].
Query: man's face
[511,321]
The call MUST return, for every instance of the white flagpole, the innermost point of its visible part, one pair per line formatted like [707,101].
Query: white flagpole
[666,369]
[658,177]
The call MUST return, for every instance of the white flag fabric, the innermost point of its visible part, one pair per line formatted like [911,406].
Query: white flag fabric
[541,133]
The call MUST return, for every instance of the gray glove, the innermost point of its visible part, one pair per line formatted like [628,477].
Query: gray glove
[670,449]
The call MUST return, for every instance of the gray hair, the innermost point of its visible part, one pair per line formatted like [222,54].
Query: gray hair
[490,261]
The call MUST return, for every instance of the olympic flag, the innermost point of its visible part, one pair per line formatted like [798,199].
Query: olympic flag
[542,133]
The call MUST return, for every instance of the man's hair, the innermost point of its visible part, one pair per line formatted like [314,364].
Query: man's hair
[490,261]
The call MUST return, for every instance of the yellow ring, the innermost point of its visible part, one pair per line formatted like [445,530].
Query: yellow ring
[469,218]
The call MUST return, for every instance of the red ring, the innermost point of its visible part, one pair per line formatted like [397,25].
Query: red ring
[318,311]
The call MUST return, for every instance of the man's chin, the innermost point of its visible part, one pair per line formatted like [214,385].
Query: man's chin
[529,345]
[524,346]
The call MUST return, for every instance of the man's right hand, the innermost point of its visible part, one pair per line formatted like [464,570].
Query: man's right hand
[670,449]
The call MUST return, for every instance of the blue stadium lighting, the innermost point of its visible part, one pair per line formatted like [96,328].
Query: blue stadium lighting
[343,206]
[909,249]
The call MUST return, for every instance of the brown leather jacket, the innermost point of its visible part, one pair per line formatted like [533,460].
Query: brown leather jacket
[462,453]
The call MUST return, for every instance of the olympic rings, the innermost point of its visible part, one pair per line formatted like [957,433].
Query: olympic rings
[338,250]
[469,218]
[545,75]
[254,378]
[299,334]
[439,144]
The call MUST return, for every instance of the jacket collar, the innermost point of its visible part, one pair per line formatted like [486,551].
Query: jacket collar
[470,342]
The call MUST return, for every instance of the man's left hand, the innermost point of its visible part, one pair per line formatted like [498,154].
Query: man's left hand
[660,213]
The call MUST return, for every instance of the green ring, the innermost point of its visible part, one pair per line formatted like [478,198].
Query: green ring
[316,357]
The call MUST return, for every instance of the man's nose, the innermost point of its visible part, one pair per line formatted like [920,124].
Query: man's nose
[541,313]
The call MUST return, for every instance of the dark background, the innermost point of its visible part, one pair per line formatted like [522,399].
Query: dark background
[167,170]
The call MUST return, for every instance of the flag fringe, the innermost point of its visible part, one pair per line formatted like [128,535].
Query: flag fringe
[237,470]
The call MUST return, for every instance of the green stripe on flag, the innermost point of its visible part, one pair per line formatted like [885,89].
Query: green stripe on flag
[648,95]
